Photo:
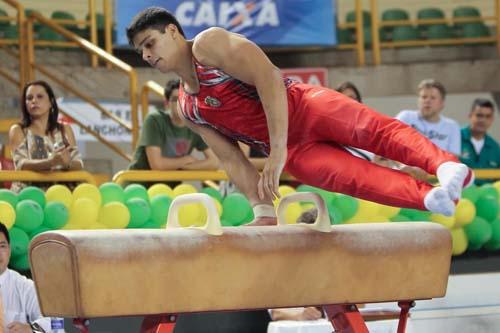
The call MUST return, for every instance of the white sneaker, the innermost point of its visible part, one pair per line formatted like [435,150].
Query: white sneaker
[438,201]
[454,177]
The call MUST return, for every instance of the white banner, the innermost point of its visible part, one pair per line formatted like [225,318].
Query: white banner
[98,122]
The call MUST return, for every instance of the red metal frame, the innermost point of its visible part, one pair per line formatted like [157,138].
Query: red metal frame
[158,324]
[82,324]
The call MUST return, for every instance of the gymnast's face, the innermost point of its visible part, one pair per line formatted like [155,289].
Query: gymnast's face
[430,103]
[4,253]
[159,48]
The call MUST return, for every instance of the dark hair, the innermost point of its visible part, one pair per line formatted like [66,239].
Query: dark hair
[482,103]
[169,87]
[349,85]
[3,230]
[156,18]
[308,216]
[53,124]
[431,83]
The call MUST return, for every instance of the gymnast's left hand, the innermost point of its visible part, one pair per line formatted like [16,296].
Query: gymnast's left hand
[269,181]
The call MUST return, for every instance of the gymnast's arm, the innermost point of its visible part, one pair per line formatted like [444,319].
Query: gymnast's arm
[242,59]
[233,161]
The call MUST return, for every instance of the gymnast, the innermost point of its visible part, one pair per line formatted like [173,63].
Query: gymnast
[232,92]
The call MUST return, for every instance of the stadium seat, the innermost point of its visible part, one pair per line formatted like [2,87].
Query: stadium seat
[63,15]
[475,30]
[404,33]
[439,31]
[9,32]
[3,13]
[36,26]
[395,14]
[430,13]
[344,36]
[367,18]
[466,11]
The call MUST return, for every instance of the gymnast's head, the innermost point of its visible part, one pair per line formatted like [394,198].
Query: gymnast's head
[157,36]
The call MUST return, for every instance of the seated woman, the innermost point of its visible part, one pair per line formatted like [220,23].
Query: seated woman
[40,142]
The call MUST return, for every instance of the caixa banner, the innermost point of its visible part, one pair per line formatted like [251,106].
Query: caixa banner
[266,22]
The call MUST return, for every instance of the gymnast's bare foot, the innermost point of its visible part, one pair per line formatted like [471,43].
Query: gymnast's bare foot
[262,221]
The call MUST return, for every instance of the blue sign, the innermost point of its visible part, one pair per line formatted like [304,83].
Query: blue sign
[266,22]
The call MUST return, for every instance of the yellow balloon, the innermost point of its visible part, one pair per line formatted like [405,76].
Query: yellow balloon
[377,219]
[192,215]
[88,191]
[59,193]
[97,226]
[388,211]
[158,189]
[460,241]
[447,221]
[7,214]
[83,212]
[497,185]
[307,205]
[285,190]
[114,215]
[464,213]
[293,212]
[355,219]
[367,209]
[184,189]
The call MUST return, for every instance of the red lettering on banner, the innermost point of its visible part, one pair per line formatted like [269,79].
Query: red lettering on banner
[317,76]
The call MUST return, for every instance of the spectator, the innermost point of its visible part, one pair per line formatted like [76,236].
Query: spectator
[480,150]
[166,143]
[40,142]
[21,312]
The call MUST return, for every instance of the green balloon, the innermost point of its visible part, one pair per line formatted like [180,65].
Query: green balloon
[347,205]
[306,188]
[38,230]
[32,193]
[213,193]
[136,191]
[8,196]
[487,207]
[415,214]
[226,223]
[488,190]
[111,192]
[29,215]
[335,215]
[56,215]
[249,218]
[19,241]
[400,218]
[160,205]
[471,193]
[150,224]
[235,208]
[20,263]
[478,232]
[494,243]
[139,210]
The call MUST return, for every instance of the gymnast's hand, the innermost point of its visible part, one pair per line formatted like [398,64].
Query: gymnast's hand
[270,178]
[310,313]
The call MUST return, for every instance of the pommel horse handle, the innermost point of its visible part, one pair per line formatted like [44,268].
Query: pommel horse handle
[322,222]
[212,227]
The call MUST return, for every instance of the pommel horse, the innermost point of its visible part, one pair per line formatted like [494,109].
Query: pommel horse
[162,273]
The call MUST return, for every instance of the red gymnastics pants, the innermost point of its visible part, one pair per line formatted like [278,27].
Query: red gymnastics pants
[324,121]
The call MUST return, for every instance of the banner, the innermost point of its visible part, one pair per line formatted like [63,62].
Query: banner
[265,22]
[98,122]
[317,76]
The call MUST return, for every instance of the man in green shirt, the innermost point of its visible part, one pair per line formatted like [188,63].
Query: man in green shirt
[479,150]
[166,143]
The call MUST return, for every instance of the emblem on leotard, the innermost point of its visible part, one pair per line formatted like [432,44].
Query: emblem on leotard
[212,101]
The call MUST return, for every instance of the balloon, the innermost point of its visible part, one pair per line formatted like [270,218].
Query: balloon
[29,215]
[19,241]
[83,212]
[59,193]
[150,224]
[488,189]
[56,215]
[335,215]
[285,190]
[235,208]
[160,204]
[464,213]
[471,193]
[139,210]
[367,209]
[32,193]
[38,230]
[347,205]
[494,243]
[8,196]
[20,263]
[497,185]
[293,212]
[388,211]
[415,214]
[306,188]
[478,232]
[459,240]
[213,193]
[487,207]
[111,192]
[400,218]
[447,221]
[7,214]
[114,215]
[184,189]
[88,191]
[136,191]
[192,215]
[158,189]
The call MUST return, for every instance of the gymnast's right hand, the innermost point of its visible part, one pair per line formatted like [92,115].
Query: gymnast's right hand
[270,178]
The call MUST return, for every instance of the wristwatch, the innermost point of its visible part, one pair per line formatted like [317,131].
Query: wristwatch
[36,328]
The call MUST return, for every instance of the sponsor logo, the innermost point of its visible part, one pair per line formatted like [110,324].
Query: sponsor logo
[212,101]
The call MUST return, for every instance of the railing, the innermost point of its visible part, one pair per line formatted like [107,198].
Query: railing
[91,48]
[59,176]
[149,86]
[359,46]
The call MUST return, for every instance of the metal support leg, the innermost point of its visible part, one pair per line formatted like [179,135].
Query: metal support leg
[159,324]
[81,324]
[346,318]
[403,315]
